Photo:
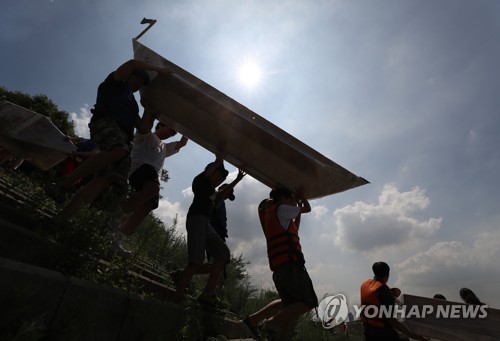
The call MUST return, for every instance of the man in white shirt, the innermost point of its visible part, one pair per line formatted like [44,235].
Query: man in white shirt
[148,156]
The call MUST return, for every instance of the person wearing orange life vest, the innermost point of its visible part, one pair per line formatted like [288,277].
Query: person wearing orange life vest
[375,292]
[279,219]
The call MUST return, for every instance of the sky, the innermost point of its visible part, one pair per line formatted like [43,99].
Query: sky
[402,93]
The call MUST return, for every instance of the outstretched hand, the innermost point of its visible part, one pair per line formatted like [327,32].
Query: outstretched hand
[300,190]
[241,174]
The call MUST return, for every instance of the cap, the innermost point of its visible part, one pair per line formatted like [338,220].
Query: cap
[220,169]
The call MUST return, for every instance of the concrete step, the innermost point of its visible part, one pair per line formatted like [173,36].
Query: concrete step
[63,308]
[75,309]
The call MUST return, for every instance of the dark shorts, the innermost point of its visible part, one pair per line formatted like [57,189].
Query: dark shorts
[143,174]
[107,135]
[294,284]
[202,237]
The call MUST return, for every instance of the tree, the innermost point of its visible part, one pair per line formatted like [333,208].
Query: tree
[236,286]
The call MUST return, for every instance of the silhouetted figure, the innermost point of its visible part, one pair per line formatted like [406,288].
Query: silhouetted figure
[469,297]
[115,117]
[280,220]
[439,297]
[375,292]
[201,236]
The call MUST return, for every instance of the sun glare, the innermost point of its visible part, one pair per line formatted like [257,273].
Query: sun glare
[250,74]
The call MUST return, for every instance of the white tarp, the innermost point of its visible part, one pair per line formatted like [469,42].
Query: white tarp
[263,150]
[32,136]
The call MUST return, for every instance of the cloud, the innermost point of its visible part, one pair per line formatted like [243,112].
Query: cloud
[187,193]
[81,121]
[365,227]
[448,266]
[319,211]
[169,211]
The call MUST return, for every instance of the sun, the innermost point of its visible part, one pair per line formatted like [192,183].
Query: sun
[250,74]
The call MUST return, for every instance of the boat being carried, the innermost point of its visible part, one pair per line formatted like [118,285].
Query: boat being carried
[252,143]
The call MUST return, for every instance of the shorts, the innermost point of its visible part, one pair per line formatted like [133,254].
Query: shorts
[201,236]
[294,284]
[143,174]
[107,135]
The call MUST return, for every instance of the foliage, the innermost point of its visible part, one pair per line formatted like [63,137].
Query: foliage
[159,245]
[236,286]
[164,176]
[311,329]
[258,300]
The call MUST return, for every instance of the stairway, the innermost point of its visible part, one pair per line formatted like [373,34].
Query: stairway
[38,301]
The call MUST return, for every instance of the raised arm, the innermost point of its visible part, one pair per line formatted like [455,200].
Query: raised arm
[227,189]
[145,124]
[181,143]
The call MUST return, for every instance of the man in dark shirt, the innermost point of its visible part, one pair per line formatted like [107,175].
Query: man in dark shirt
[115,116]
[201,236]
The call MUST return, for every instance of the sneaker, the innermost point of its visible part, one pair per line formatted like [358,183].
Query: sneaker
[253,329]
[175,276]
[118,250]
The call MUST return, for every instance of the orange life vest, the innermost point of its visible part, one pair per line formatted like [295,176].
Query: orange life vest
[369,297]
[283,245]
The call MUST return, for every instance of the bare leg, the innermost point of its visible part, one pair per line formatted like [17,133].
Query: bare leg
[94,164]
[139,203]
[269,310]
[185,277]
[129,226]
[284,321]
[213,279]
[84,196]
[149,190]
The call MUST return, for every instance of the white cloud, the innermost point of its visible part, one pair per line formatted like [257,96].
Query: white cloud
[319,211]
[366,227]
[169,211]
[448,266]
[81,121]
[187,193]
